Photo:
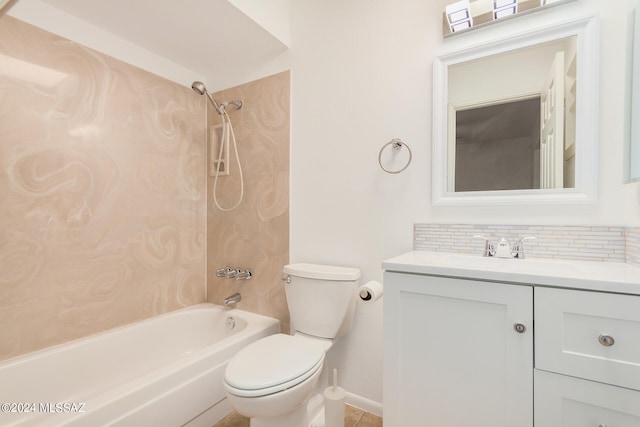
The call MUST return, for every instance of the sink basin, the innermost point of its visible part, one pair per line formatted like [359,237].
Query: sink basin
[551,267]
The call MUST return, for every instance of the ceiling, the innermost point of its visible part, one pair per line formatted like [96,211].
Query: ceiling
[204,36]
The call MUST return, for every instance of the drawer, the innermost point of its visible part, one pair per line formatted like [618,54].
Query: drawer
[589,335]
[562,401]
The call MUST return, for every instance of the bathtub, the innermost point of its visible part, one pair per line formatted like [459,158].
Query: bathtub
[163,371]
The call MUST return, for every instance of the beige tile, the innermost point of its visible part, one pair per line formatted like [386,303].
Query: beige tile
[255,235]
[103,189]
[369,420]
[352,416]
[233,420]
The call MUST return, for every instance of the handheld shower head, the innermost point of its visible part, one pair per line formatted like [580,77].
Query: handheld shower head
[201,89]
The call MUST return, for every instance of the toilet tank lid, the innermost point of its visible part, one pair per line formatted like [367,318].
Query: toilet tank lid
[323,272]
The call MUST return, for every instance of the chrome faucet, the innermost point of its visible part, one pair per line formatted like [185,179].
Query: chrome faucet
[234,273]
[243,274]
[224,272]
[233,299]
[502,250]
[489,248]
[518,248]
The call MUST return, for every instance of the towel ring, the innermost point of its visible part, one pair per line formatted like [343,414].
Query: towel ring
[396,144]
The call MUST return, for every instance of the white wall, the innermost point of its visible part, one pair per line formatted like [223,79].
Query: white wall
[361,75]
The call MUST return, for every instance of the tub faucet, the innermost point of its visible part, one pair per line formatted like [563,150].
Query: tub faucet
[233,299]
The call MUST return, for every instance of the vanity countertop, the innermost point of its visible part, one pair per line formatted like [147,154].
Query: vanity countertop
[586,275]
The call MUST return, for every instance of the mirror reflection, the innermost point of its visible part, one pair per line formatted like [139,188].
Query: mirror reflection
[512,119]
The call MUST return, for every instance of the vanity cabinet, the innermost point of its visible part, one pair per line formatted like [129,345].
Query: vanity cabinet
[459,352]
[587,359]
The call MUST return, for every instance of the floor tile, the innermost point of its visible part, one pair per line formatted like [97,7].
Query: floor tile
[369,420]
[353,417]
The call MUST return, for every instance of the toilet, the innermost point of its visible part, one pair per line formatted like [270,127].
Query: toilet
[272,380]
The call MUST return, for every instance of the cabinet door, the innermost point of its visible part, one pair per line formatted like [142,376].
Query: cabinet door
[591,335]
[563,401]
[452,355]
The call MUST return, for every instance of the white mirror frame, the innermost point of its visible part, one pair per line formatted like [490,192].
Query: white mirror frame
[632,149]
[587,116]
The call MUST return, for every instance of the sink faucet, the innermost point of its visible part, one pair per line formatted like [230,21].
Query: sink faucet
[502,249]
[233,299]
[518,248]
[489,248]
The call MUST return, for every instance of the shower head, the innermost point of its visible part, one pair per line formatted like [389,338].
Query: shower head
[199,88]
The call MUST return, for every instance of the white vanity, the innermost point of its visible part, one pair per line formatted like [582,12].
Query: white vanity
[485,342]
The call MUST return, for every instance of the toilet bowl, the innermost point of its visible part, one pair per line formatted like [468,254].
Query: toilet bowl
[272,380]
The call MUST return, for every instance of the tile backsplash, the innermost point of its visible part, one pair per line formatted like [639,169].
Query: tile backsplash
[589,243]
[633,245]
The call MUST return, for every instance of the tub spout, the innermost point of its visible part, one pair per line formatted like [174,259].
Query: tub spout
[233,299]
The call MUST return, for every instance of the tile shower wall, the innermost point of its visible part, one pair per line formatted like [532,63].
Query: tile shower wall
[102,182]
[591,243]
[256,234]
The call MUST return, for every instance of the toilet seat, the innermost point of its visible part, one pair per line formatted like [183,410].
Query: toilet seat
[272,364]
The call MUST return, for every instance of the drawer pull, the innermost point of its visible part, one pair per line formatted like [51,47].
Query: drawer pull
[602,425]
[606,340]
[519,328]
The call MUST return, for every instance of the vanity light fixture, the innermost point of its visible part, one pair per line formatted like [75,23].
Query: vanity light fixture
[459,16]
[502,8]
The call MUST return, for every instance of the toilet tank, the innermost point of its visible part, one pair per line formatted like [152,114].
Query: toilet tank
[321,298]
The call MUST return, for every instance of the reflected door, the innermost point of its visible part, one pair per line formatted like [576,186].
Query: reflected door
[552,126]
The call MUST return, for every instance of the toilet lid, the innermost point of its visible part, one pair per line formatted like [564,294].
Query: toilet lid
[272,364]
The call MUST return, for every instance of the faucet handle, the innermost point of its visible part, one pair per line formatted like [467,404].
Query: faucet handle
[518,247]
[243,274]
[489,249]
[222,272]
[231,273]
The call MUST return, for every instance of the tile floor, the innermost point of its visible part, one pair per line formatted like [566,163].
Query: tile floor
[353,417]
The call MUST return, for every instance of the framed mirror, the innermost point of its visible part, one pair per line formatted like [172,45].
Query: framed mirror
[515,119]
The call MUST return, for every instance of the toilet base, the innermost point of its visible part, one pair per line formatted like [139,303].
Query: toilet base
[296,418]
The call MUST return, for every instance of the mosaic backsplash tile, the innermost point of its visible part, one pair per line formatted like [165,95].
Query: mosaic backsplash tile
[633,245]
[595,243]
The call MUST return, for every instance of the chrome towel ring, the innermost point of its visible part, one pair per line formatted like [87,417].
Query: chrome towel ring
[396,144]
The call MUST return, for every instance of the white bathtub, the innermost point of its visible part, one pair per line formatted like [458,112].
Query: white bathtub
[164,371]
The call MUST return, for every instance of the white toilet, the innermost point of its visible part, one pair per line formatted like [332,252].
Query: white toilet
[271,380]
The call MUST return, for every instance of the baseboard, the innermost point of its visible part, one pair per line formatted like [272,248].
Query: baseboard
[363,403]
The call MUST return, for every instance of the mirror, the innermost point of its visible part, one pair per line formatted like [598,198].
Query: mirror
[632,162]
[515,120]
[497,140]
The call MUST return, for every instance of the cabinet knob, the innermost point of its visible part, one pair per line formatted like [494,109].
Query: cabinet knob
[519,328]
[607,341]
